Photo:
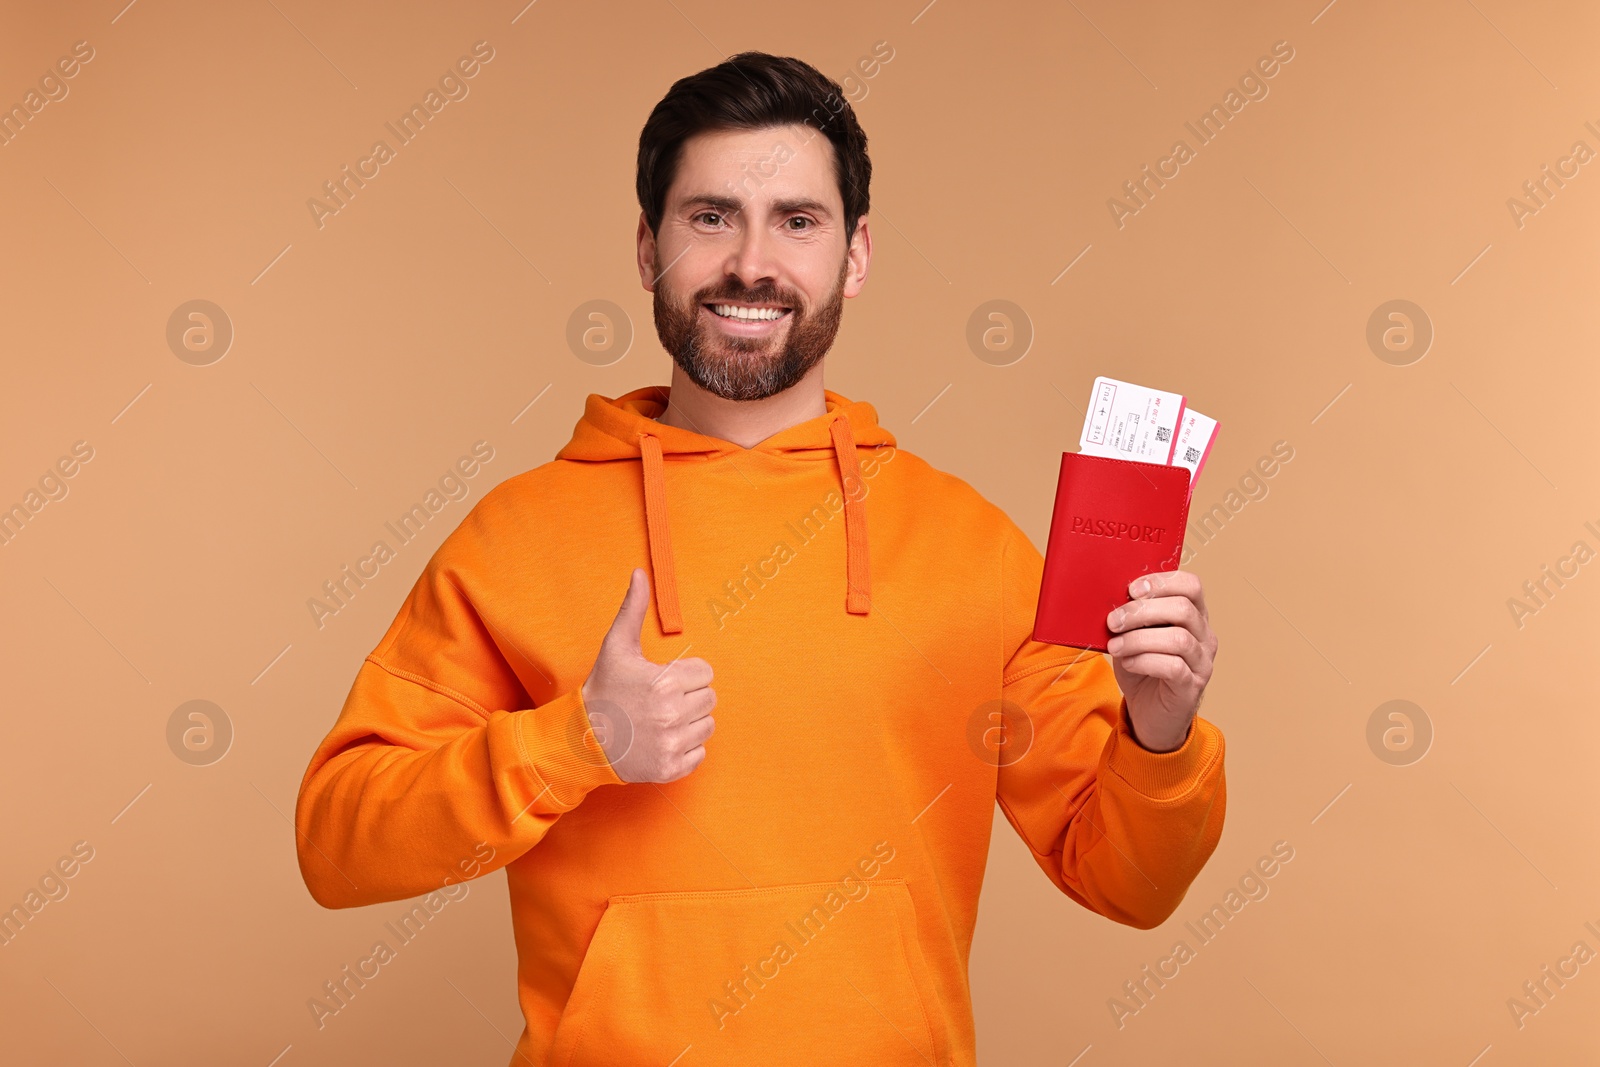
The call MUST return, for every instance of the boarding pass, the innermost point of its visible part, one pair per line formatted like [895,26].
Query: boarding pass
[1128,421]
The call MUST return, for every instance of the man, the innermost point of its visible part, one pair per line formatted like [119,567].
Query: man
[795,880]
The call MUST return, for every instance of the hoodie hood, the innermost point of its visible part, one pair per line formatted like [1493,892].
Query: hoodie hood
[625,428]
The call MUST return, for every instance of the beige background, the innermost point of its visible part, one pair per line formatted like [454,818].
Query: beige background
[432,310]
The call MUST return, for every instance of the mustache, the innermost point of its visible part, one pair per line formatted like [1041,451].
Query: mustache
[765,294]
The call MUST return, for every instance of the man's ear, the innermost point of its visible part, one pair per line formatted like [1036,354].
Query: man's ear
[858,258]
[647,254]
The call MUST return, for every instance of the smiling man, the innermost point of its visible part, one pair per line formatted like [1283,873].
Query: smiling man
[795,881]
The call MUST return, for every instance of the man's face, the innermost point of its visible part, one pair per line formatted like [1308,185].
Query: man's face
[750,266]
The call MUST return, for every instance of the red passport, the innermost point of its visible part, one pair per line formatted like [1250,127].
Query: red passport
[1114,520]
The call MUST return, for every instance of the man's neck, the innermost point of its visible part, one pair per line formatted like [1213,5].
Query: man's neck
[746,423]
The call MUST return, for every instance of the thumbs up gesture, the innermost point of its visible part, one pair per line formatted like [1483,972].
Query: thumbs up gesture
[651,719]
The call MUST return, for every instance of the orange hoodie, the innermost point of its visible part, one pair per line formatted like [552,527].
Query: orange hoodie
[808,893]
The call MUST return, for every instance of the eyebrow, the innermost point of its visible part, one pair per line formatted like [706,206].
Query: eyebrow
[731,205]
[801,203]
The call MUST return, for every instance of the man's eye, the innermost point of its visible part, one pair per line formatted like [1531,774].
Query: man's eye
[801,219]
[708,215]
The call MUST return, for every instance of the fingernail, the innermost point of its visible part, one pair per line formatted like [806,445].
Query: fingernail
[1141,587]
[1115,621]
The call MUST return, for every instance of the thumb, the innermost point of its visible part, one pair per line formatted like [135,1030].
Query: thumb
[627,627]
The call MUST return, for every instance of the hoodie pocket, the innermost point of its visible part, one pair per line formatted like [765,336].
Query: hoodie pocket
[791,974]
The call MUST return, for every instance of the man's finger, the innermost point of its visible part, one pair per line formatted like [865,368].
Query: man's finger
[1162,611]
[1170,671]
[1172,641]
[692,673]
[627,629]
[1171,583]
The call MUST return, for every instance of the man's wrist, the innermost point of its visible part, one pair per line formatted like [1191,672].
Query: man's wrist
[1159,744]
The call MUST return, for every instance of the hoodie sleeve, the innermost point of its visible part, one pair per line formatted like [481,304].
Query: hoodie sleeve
[437,752]
[1118,828]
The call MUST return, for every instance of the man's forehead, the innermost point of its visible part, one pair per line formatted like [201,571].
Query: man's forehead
[749,150]
[794,159]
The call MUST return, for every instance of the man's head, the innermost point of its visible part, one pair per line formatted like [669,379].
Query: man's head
[752,183]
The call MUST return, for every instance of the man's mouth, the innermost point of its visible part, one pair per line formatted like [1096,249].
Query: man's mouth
[749,312]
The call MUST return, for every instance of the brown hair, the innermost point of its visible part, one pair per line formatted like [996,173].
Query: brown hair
[752,91]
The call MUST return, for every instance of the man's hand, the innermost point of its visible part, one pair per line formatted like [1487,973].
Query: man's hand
[652,720]
[1162,652]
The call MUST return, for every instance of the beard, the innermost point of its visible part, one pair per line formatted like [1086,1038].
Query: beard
[747,368]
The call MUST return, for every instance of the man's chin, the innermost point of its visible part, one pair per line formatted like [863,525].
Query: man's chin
[719,349]
[742,351]
[736,375]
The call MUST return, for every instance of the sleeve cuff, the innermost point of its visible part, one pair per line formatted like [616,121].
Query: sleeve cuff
[559,747]
[1164,775]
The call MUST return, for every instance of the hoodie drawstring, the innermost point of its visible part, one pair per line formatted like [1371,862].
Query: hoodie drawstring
[858,579]
[663,565]
[664,569]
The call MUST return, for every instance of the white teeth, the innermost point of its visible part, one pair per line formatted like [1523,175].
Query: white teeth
[734,311]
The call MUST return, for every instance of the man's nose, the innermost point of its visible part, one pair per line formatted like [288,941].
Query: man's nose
[753,258]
